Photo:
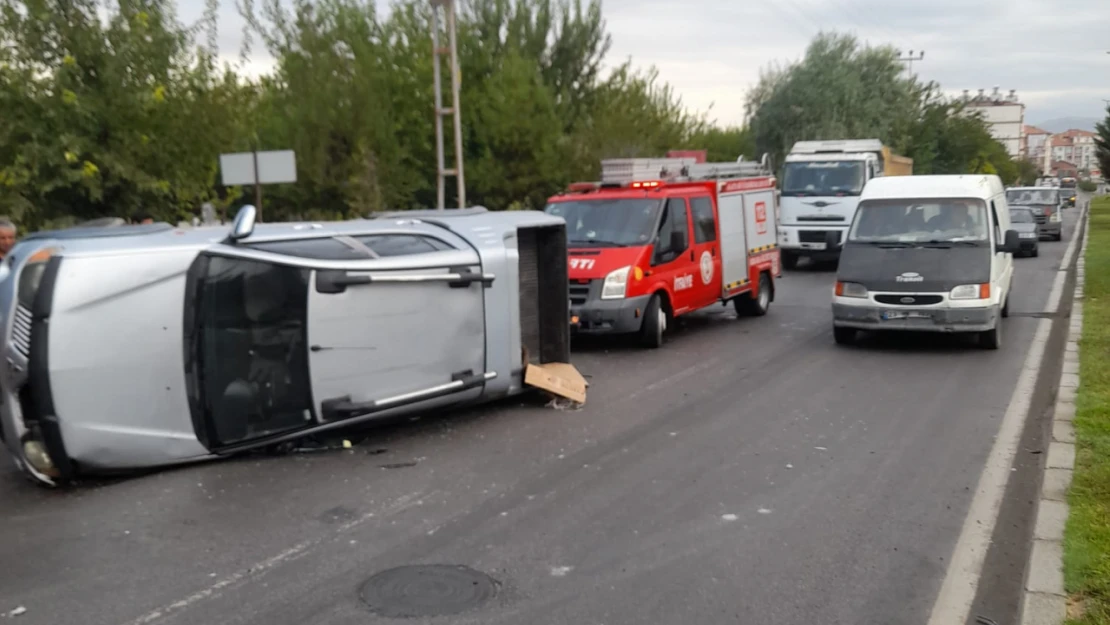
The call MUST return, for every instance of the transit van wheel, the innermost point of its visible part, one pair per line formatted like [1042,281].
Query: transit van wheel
[759,305]
[789,260]
[654,325]
[991,339]
[844,336]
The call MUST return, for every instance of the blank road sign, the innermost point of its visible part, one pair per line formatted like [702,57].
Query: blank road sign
[274,167]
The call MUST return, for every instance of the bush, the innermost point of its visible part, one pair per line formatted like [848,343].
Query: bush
[1087,186]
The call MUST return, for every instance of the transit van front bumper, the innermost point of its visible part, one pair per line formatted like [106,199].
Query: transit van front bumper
[915,319]
[589,314]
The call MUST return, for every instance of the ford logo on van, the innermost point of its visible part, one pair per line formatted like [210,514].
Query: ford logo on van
[909,276]
[907,300]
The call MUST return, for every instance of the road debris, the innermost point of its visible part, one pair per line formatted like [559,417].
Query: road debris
[18,611]
[765,511]
[729,517]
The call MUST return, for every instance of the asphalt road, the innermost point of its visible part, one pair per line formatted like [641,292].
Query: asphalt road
[749,472]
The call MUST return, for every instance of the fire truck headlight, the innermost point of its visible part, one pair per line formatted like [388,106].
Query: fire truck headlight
[615,283]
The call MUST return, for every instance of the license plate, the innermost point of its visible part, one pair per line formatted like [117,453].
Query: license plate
[813,246]
[905,314]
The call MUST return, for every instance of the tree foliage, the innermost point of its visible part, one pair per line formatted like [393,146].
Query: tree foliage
[107,111]
[1102,143]
[841,89]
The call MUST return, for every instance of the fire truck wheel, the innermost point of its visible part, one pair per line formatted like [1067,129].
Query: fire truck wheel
[789,260]
[655,323]
[757,307]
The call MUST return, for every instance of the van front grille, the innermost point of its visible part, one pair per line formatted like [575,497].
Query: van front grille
[21,330]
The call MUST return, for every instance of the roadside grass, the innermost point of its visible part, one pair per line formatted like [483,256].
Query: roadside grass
[1087,538]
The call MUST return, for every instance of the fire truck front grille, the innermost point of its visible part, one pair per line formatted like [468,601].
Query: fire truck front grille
[579,292]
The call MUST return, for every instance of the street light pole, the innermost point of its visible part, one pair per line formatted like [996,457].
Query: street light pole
[452,54]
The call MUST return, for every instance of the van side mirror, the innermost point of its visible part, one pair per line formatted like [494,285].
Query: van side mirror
[243,225]
[1011,244]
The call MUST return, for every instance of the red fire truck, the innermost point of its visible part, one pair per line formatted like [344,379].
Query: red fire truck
[660,238]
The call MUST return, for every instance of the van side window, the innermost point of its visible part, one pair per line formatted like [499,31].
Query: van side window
[705,227]
[997,229]
[673,227]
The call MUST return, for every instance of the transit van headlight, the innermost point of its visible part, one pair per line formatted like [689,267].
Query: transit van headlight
[971,291]
[615,283]
[1054,216]
[850,289]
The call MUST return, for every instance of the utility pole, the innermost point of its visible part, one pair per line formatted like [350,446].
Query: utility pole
[909,59]
[451,52]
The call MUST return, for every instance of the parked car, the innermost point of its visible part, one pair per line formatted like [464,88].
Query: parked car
[929,254]
[147,345]
[1024,222]
[1046,203]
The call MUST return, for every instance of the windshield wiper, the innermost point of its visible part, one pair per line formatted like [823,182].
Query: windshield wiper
[884,244]
[597,242]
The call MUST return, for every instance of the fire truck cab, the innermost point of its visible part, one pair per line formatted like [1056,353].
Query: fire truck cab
[661,238]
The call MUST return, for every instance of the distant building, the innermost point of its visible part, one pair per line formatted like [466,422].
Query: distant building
[1037,148]
[1063,169]
[1004,115]
[1075,146]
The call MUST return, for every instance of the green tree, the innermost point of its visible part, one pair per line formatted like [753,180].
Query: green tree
[104,116]
[1102,141]
[839,90]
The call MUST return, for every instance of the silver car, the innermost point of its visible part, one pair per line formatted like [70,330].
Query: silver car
[142,346]
[1045,202]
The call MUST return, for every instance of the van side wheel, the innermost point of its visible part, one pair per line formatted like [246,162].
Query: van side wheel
[1006,306]
[654,325]
[759,305]
[991,339]
[844,336]
[789,259]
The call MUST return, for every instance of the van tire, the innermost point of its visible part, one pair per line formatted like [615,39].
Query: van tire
[789,259]
[654,325]
[845,336]
[1006,306]
[1036,252]
[747,306]
[991,339]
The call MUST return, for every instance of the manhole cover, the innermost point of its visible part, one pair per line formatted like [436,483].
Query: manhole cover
[426,590]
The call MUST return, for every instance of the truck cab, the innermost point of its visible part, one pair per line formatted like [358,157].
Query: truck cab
[821,185]
[660,238]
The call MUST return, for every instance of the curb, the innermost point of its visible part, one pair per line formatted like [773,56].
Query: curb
[1045,600]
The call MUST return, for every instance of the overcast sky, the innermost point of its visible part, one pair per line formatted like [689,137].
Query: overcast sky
[1053,52]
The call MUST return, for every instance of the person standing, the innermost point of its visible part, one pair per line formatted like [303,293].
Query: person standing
[7,236]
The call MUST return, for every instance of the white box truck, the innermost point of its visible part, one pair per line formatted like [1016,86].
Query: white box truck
[821,185]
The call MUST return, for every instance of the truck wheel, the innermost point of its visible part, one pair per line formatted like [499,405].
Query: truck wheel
[789,260]
[1036,252]
[757,306]
[844,336]
[654,325]
[991,339]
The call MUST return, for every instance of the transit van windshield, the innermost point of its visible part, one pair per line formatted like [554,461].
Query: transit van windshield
[822,178]
[1032,197]
[609,222]
[926,223]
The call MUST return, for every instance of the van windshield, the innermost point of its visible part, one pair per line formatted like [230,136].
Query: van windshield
[609,222]
[822,178]
[1032,197]
[1022,216]
[915,222]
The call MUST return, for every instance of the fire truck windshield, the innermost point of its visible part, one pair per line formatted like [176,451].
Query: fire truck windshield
[608,222]
[822,178]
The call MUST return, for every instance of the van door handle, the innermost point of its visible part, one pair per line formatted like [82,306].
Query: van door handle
[691,254]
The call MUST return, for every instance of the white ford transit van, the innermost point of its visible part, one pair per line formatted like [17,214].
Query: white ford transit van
[927,253]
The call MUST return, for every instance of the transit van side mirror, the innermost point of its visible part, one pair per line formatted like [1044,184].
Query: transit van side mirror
[1012,243]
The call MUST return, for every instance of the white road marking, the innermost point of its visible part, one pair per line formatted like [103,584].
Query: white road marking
[255,570]
[961,580]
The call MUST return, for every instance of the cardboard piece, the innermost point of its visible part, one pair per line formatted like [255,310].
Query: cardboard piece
[559,378]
